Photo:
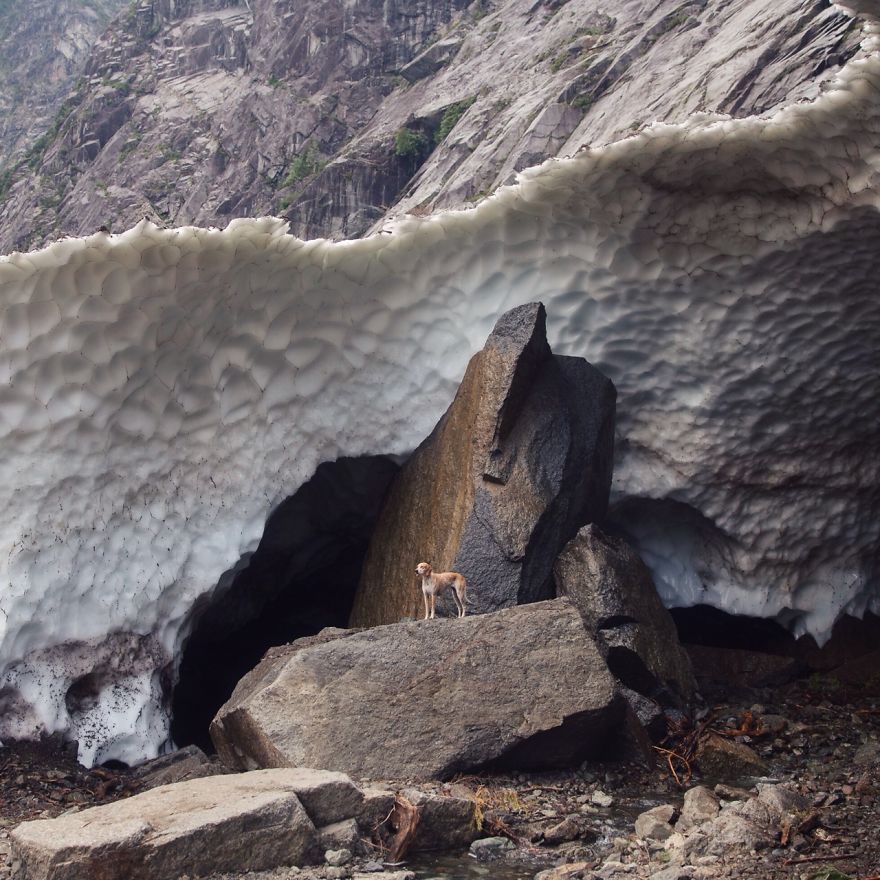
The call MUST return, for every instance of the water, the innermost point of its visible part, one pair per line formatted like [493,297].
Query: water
[463,867]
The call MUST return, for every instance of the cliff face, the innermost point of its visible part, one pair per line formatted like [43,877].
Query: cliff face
[334,114]
[44,45]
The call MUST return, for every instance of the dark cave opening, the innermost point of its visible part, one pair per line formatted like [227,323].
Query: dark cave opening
[301,578]
[705,625]
[851,637]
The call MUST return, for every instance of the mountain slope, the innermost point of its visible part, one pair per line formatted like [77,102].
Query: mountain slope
[334,113]
[44,45]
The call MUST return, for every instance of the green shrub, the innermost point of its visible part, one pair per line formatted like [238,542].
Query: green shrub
[453,113]
[410,144]
[303,165]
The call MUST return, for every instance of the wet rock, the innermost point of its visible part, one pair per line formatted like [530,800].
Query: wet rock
[699,806]
[726,759]
[488,848]
[445,823]
[520,460]
[654,824]
[526,686]
[385,875]
[570,828]
[220,823]
[615,592]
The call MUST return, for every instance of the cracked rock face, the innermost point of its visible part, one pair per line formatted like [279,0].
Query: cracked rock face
[163,390]
[44,46]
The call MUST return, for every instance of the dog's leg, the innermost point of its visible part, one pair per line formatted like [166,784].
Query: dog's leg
[425,597]
[433,605]
[460,594]
[459,597]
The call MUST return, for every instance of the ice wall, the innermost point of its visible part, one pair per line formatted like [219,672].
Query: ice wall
[162,390]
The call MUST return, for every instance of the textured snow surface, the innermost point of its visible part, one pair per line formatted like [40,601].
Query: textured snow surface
[162,390]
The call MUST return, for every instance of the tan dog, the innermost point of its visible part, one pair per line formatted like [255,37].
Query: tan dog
[435,584]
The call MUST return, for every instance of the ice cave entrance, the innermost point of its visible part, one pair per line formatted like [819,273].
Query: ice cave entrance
[301,578]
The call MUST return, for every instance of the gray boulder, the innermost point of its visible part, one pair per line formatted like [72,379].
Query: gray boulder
[615,593]
[184,764]
[654,824]
[238,823]
[521,459]
[700,805]
[525,686]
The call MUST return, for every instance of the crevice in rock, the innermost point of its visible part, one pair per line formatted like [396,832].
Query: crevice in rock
[614,621]
[301,578]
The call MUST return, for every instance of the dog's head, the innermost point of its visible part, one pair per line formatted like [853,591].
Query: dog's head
[423,569]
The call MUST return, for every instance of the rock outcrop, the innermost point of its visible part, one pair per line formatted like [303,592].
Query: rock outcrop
[615,593]
[525,687]
[521,459]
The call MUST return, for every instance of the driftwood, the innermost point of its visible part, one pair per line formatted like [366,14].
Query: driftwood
[404,821]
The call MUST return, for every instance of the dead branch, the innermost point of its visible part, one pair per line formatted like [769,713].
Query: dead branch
[828,858]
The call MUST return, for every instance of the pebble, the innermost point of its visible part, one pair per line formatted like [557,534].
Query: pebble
[337,857]
[601,799]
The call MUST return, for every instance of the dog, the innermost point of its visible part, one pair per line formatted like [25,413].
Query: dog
[435,584]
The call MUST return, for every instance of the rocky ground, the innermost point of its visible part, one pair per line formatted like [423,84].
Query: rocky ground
[818,739]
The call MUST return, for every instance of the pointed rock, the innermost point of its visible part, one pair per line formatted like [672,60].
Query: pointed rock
[521,459]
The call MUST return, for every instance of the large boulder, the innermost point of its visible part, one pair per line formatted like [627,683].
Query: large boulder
[520,460]
[526,686]
[615,593]
[239,823]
